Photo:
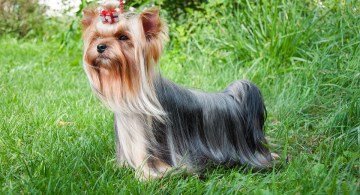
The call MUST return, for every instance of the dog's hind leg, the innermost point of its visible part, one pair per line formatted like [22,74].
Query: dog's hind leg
[252,113]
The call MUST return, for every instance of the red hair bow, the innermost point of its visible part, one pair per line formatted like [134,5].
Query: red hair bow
[110,17]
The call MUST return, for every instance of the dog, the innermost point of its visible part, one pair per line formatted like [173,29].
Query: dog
[160,126]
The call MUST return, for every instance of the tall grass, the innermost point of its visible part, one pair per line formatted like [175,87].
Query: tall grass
[55,137]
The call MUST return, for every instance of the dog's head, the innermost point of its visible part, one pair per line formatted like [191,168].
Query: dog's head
[119,56]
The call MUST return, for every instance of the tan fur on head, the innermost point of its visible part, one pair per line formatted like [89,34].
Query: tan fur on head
[122,75]
[155,32]
[89,16]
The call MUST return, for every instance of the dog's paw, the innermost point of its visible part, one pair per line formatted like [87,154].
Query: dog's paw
[275,156]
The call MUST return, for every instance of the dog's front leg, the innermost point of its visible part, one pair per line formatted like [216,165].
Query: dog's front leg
[152,168]
[132,143]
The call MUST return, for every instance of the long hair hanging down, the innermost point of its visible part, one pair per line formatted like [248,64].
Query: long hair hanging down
[158,124]
[205,129]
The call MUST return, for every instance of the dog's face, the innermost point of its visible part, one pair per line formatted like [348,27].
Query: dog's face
[119,57]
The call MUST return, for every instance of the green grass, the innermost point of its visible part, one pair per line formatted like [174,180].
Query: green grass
[55,137]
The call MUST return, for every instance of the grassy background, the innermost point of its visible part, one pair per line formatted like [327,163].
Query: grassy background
[55,137]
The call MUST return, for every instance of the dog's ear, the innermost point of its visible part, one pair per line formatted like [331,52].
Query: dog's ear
[156,33]
[151,22]
[89,16]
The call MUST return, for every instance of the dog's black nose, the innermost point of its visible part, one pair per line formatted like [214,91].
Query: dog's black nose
[101,48]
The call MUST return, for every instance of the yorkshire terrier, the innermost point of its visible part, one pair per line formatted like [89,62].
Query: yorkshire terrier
[160,126]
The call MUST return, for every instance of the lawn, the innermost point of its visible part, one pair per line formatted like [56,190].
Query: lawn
[57,138]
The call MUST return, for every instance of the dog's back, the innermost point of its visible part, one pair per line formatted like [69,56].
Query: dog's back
[203,129]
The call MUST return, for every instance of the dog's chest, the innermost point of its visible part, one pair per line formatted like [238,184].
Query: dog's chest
[131,139]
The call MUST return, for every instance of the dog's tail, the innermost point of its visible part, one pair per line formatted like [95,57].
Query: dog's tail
[252,115]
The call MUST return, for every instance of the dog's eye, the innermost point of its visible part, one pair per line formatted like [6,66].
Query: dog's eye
[123,38]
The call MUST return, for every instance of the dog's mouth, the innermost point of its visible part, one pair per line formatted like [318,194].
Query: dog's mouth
[102,61]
